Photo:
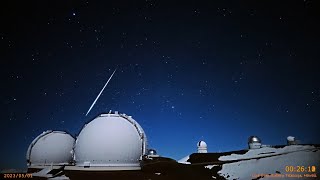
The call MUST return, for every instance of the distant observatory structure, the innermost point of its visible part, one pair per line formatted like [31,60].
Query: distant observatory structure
[202,147]
[292,140]
[110,141]
[152,153]
[254,142]
[51,148]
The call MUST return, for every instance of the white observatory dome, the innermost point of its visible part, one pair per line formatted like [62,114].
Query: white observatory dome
[202,147]
[292,140]
[50,148]
[111,141]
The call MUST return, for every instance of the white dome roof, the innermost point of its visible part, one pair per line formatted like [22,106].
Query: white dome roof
[290,138]
[110,140]
[202,144]
[202,147]
[50,147]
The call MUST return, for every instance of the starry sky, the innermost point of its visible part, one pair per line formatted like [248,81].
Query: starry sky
[186,71]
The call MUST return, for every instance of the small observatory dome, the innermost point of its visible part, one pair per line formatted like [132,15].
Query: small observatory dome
[114,141]
[50,148]
[152,152]
[254,142]
[291,140]
[202,147]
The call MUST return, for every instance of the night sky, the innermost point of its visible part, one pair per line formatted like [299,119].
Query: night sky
[209,70]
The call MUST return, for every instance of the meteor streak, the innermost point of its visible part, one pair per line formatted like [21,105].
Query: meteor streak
[100,92]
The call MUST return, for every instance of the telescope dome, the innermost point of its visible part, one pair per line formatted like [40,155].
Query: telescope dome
[110,140]
[202,147]
[202,144]
[254,139]
[50,148]
[152,152]
[254,142]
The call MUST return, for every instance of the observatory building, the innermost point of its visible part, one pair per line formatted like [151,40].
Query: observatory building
[51,148]
[254,142]
[109,142]
[202,147]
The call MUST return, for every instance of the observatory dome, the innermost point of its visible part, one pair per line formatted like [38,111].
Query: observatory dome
[202,144]
[152,152]
[202,147]
[292,140]
[254,142]
[50,148]
[254,139]
[110,140]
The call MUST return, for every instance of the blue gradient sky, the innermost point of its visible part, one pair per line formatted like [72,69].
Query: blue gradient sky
[212,71]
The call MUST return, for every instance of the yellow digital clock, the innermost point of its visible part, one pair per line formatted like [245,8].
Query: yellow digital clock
[310,169]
